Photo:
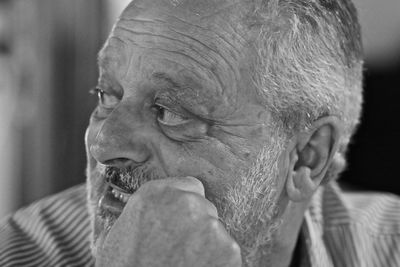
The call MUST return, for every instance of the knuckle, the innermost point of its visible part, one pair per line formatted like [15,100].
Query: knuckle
[214,225]
[235,248]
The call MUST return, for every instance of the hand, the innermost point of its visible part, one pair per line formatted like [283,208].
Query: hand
[169,223]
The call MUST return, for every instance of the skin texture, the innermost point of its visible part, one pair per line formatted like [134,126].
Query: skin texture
[177,103]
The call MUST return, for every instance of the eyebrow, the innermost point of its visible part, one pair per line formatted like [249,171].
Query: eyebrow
[162,76]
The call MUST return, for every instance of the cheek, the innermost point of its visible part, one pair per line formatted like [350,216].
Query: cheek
[217,154]
[216,168]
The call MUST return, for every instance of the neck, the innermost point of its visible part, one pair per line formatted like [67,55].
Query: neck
[286,238]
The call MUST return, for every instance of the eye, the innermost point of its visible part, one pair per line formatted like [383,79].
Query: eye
[169,118]
[106,99]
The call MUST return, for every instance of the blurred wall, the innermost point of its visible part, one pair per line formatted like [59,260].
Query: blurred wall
[51,66]
[373,156]
[8,142]
[380,21]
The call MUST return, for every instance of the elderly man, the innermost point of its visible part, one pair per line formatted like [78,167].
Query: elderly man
[220,129]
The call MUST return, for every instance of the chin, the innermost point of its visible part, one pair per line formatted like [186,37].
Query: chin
[95,186]
[101,225]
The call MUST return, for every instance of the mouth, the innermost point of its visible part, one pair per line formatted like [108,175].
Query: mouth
[114,198]
[120,193]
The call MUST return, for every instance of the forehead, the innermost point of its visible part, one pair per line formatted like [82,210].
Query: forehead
[181,8]
[212,25]
[200,43]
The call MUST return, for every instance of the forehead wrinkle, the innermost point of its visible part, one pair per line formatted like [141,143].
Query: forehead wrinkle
[215,52]
[205,30]
[205,68]
[153,34]
[235,9]
[218,63]
[201,9]
[218,11]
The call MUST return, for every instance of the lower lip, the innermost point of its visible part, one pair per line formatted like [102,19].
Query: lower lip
[110,204]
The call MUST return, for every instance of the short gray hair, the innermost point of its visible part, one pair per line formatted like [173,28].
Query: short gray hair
[309,63]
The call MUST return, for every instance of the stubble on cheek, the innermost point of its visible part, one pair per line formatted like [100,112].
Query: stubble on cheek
[249,209]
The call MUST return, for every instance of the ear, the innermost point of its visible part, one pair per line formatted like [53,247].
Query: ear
[309,156]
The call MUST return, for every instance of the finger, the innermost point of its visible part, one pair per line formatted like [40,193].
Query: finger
[188,183]
[193,185]
[190,187]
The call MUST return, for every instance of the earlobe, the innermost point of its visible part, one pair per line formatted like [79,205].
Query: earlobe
[299,184]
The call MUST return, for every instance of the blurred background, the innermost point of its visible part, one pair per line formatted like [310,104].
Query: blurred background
[48,64]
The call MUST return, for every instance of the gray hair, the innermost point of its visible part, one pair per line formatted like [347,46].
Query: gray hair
[309,64]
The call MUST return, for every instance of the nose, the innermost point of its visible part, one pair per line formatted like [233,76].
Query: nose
[121,140]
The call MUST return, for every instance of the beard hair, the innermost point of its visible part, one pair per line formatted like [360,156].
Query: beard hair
[249,209]
[129,178]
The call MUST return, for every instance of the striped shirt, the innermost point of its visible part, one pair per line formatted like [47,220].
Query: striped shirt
[340,229]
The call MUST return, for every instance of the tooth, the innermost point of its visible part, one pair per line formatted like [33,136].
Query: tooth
[123,197]
[115,193]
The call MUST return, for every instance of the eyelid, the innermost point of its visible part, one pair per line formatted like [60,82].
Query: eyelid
[101,96]
[175,118]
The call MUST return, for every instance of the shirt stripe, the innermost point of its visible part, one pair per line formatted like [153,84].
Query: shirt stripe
[52,232]
[353,229]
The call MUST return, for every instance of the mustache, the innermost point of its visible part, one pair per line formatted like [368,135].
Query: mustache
[129,179]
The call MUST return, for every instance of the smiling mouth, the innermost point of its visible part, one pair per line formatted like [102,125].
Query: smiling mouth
[120,193]
[114,198]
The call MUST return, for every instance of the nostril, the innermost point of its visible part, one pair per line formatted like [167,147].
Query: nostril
[119,151]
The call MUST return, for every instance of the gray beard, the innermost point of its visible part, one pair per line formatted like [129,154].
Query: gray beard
[249,209]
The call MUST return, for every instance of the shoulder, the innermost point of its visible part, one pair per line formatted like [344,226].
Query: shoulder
[48,232]
[358,228]
[375,212]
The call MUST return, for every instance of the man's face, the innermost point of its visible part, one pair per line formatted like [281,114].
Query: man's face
[178,100]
